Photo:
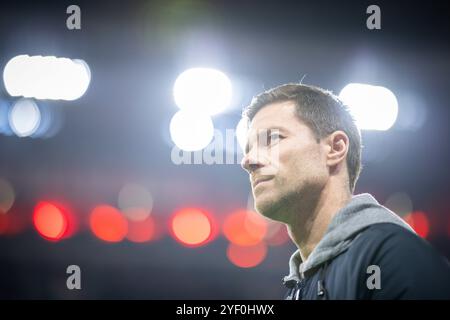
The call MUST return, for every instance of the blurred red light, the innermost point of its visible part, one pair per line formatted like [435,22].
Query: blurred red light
[247,256]
[192,227]
[419,222]
[50,221]
[277,234]
[108,224]
[4,222]
[244,228]
[141,231]
[72,223]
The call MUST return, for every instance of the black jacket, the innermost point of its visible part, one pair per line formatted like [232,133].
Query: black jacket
[406,266]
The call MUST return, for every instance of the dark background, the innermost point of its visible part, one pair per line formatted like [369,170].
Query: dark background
[118,131]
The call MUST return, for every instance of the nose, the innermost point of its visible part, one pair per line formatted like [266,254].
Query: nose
[250,162]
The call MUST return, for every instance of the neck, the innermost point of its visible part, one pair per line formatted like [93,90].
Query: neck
[311,219]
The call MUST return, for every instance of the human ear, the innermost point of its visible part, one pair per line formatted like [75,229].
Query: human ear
[338,144]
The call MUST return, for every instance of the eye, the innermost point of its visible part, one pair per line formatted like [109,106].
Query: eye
[268,138]
[274,137]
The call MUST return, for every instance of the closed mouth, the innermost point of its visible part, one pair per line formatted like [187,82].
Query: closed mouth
[258,181]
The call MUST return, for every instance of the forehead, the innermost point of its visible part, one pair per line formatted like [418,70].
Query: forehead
[279,115]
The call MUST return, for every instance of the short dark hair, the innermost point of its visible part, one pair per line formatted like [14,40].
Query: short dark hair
[322,111]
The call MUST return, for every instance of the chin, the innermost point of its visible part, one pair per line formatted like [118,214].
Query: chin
[269,209]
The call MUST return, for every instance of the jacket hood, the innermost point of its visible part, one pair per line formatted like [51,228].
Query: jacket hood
[361,212]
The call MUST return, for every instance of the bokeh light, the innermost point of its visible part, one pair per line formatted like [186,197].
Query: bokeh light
[46,77]
[373,107]
[202,90]
[418,220]
[191,227]
[50,221]
[7,195]
[108,223]
[191,131]
[50,122]
[255,224]
[277,234]
[4,222]
[24,117]
[247,256]
[4,121]
[141,231]
[413,113]
[241,133]
[244,228]
[400,203]
[135,201]
[71,218]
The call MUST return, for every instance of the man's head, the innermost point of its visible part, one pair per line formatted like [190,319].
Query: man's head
[300,139]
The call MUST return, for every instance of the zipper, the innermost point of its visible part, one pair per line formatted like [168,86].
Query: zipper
[299,285]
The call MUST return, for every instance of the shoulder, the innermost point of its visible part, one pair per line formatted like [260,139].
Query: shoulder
[410,267]
[382,232]
[383,238]
[388,242]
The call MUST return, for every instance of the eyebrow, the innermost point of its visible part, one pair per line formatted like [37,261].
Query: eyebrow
[269,129]
[281,129]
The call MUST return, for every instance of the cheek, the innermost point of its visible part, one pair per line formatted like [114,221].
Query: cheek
[300,161]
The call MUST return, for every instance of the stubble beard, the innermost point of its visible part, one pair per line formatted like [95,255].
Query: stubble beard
[279,205]
[289,206]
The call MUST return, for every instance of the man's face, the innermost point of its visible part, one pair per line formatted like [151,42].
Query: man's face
[286,164]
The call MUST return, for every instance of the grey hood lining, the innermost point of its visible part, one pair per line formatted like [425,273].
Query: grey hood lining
[361,212]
